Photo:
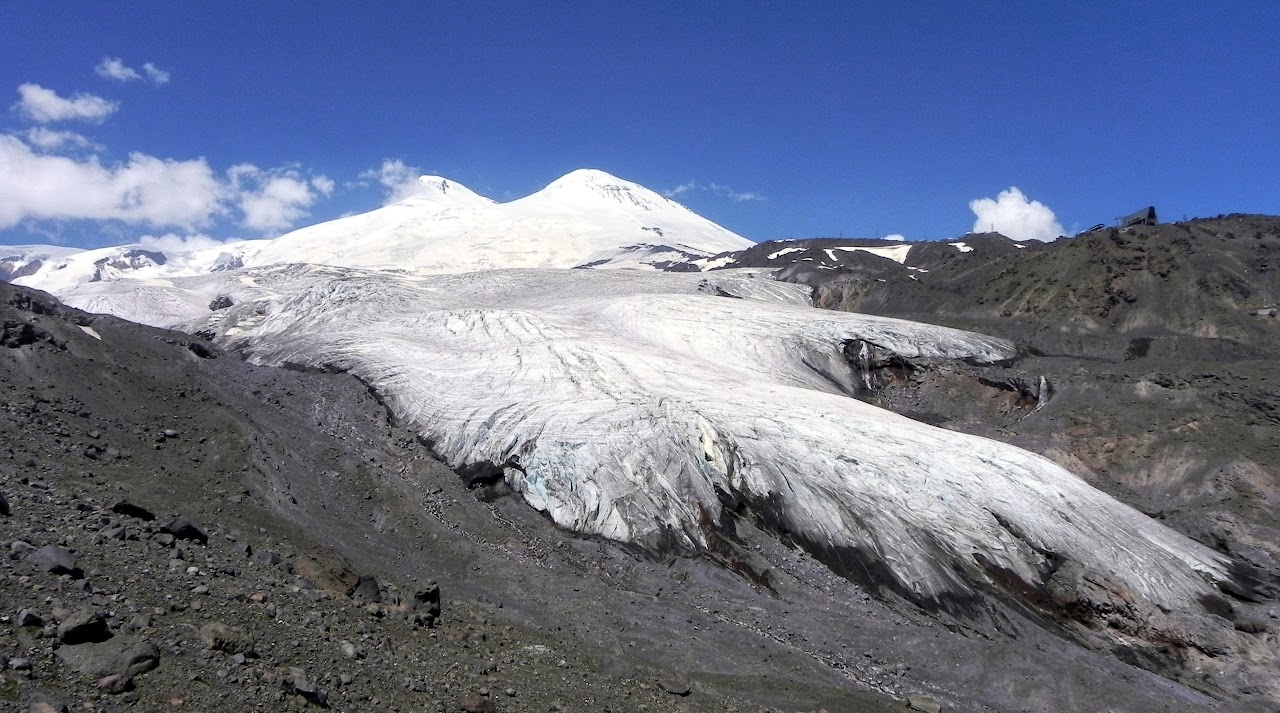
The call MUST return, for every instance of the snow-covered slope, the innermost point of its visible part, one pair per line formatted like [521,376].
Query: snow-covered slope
[588,217]
[634,405]
[56,270]
[21,260]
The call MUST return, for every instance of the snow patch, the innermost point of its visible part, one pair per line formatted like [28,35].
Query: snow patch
[784,251]
[897,253]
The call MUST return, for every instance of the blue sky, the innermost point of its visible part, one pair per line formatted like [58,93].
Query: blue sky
[780,119]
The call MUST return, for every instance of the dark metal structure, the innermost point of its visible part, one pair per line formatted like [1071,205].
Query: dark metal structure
[1146,216]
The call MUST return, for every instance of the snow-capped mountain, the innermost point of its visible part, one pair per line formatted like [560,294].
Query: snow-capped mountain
[586,218]
[17,261]
[55,269]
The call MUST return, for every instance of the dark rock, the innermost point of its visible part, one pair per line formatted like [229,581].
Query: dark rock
[478,705]
[227,639]
[269,558]
[368,590]
[296,681]
[20,664]
[114,663]
[56,560]
[675,687]
[186,529]
[28,617]
[923,704]
[4,505]
[84,626]
[427,604]
[124,507]
[163,539]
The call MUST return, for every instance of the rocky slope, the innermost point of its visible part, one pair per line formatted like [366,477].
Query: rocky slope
[1148,370]
[1178,284]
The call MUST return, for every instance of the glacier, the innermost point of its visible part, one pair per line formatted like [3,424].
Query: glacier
[635,405]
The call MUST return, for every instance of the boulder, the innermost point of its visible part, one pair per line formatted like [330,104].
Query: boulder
[83,626]
[367,589]
[56,560]
[478,705]
[427,604]
[113,663]
[923,704]
[227,639]
[125,507]
[296,681]
[676,687]
[186,529]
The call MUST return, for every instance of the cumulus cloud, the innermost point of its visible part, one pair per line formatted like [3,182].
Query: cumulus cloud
[174,243]
[717,188]
[44,105]
[1012,214]
[40,184]
[115,68]
[44,138]
[398,178]
[155,74]
[143,190]
[274,199]
[49,176]
[895,236]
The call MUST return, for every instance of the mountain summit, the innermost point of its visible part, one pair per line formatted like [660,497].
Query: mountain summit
[587,217]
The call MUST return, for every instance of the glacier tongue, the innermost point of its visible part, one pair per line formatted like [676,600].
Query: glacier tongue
[626,404]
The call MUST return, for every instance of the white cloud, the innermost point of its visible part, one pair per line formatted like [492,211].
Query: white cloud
[145,190]
[115,68]
[720,189]
[398,178]
[274,199]
[324,184]
[41,137]
[174,243]
[44,105]
[1012,214]
[155,74]
[895,236]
